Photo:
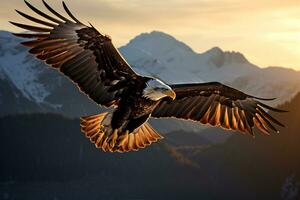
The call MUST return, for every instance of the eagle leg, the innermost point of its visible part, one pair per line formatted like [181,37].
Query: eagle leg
[112,138]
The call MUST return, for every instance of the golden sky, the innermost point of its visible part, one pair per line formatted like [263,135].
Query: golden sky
[267,32]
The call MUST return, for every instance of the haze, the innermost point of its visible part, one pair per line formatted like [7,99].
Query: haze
[267,32]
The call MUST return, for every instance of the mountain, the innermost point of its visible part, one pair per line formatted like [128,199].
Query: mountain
[28,86]
[162,55]
[46,157]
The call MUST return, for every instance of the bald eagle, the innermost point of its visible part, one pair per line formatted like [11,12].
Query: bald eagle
[90,60]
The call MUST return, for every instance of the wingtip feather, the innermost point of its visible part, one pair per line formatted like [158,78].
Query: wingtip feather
[42,13]
[70,13]
[270,107]
[54,12]
[27,3]
[264,99]
[13,23]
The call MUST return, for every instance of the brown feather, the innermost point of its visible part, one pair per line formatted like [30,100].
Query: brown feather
[36,20]
[70,14]
[55,13]
[41,13]
[259,125]
[233,119]
[31,28]
[33,35]
[215,120]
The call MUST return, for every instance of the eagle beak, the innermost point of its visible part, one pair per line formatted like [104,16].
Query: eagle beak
[171,94]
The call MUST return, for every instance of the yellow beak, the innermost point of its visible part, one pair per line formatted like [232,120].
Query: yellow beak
[171,94]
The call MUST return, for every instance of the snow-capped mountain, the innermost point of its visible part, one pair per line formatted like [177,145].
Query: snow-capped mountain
[27,85]
[163,56]
[166,57]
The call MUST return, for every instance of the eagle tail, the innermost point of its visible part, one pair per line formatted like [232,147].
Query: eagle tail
[97,128]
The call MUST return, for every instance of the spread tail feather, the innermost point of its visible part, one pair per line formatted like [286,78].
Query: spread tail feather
[97,129]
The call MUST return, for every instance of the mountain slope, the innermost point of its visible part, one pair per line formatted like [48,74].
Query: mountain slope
[12,100]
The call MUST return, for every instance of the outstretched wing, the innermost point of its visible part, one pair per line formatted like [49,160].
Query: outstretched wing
[218,105]
[80,52]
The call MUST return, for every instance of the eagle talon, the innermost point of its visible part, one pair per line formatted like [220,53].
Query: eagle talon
[111,140]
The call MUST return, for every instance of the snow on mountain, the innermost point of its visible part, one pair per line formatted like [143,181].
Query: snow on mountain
[165,57]
[174,61]
[25,77]
[277,82]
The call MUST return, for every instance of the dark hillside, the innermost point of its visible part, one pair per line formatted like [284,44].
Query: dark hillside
[44,154]
[258,168]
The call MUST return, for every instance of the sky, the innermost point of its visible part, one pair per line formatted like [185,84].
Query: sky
[267,32]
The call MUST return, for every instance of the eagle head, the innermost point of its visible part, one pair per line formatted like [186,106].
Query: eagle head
[156,90]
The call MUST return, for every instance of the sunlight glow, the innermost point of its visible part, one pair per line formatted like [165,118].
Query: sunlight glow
[266,31]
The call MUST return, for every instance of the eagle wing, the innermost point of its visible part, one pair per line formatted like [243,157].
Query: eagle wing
[218,105]
[80,52]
